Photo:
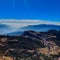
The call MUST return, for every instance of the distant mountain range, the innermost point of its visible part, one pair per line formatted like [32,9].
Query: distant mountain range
[5,29]
[15,33]
[41,27]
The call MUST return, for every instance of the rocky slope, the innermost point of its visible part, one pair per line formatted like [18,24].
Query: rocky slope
[31,45]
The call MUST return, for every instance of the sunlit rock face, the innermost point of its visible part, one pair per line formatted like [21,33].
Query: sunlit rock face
[59,58]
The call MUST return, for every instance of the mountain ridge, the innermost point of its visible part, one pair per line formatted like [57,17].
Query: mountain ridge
[38,28]
[5,29]
[41,27]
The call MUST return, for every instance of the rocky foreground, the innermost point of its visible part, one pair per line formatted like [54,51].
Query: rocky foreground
[31,45]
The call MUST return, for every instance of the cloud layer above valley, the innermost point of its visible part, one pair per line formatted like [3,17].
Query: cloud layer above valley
[22,23]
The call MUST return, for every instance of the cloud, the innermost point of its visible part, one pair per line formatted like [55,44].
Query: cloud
[21,23]
[17,21]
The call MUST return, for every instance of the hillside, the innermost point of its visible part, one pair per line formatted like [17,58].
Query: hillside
[31,45]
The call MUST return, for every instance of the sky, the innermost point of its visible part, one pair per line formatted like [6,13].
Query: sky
[42,10]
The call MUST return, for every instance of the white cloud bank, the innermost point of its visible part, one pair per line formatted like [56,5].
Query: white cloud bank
[22,23]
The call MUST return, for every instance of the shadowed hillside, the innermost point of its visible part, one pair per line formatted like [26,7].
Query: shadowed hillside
[31,45]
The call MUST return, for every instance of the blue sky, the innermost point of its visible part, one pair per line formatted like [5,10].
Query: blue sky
[30,10]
